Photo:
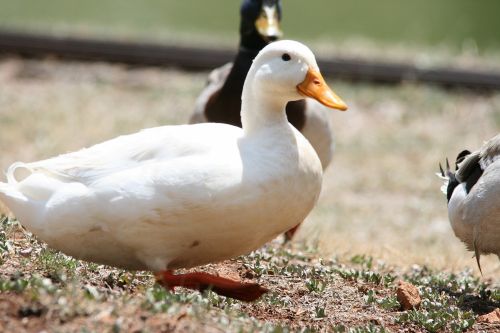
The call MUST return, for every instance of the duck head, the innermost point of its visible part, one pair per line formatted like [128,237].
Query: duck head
[287,70]
[260,23]
[284,71]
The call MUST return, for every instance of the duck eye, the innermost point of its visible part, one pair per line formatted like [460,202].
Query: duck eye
[285,57]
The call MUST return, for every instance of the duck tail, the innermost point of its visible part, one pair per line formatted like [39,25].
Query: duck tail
[9,191]
[444,176]
[11,196]
[11,171]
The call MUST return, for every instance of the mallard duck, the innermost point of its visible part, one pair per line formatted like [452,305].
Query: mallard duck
[182,196]
[220,101]
[473,193]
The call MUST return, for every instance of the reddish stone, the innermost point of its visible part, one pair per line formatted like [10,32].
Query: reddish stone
[490,318]
[408,296]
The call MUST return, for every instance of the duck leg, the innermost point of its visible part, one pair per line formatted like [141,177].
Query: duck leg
[289,234]
[201,281]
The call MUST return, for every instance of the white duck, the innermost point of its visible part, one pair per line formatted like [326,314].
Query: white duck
[473,194]
[181,196]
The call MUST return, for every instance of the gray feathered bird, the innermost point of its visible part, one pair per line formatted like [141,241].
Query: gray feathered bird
[473,193]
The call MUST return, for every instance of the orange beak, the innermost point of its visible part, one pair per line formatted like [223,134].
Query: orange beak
[268,24]
[314,86]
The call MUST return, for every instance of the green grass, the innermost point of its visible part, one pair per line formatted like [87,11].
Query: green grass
[366,329]
[456,23]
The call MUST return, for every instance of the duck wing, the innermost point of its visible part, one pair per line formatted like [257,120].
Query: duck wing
[473,165]
[126,152]
[490,152]
[469,170]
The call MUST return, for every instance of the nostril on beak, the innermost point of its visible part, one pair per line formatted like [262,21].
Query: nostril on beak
[317,82]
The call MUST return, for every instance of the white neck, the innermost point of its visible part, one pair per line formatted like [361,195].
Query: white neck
[260,110]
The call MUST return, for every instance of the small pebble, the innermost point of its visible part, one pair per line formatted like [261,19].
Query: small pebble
[26,252]
[490,318]
[408,296]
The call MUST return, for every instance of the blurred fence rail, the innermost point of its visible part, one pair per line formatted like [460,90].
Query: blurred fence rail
[196,58]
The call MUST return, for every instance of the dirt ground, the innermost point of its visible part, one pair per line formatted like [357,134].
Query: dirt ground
[42,290]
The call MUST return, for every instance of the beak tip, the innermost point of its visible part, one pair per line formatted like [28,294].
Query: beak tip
[340,107]
[314,86]
[336,101]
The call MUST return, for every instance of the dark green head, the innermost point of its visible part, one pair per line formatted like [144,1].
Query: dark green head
[260,23]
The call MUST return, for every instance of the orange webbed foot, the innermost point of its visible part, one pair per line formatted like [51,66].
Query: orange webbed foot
[201,281]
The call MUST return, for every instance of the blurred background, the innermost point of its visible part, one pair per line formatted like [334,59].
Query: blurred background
[448,26]
[380,197]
